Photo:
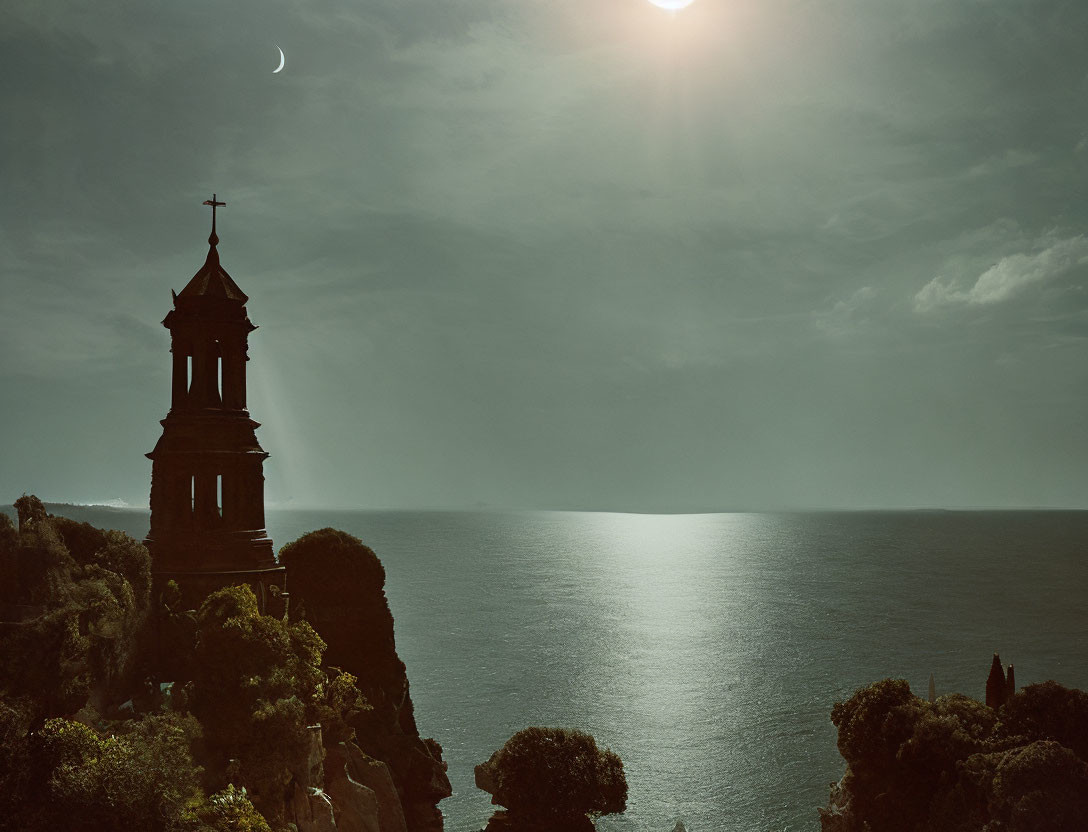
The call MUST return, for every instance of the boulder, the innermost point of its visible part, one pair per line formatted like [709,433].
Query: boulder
[838,815]
[312,810]
[373,775]
[309,770]
[485,778]
[356,807]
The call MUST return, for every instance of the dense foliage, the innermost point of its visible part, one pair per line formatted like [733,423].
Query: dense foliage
[557,776]
[258,684]
[956,765]
[84,610]
[90,740]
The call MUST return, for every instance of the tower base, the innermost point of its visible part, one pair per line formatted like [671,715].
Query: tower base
[269,585]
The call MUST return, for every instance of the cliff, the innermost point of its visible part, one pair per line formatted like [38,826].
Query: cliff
[337,584]
[119,710]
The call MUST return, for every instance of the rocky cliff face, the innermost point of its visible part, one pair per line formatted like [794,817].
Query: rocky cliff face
[341,789]
[337,584]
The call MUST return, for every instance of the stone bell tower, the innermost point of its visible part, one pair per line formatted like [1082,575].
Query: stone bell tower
[207,477]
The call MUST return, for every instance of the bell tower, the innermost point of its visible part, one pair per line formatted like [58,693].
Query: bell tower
[207,469]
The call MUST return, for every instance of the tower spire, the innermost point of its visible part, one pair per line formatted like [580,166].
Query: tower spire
[207,471]
[213,238]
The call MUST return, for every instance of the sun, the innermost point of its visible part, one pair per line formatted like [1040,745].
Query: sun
[672,5]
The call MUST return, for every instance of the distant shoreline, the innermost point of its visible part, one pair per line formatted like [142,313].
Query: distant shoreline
[8,509]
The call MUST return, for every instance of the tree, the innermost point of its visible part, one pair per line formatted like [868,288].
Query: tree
[554,776]
[91,603]
[143,780]
[957,765]
[257,684]
[1049,711]
[9,562]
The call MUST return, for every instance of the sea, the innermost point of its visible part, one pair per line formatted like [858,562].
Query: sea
[707,649]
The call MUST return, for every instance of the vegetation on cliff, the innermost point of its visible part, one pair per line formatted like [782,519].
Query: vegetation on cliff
[957,765]
[123,711]
[84,597]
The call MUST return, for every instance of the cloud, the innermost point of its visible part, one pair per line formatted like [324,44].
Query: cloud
[844,318]
[999,163]
[1008,277]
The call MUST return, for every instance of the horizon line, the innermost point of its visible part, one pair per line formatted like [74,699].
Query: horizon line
[484,508]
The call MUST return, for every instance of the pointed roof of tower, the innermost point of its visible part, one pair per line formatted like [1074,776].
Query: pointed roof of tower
[212,280]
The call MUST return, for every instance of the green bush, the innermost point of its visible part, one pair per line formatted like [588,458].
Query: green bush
[141,780]
[91,604]
[15,768]
[339,704]
[257,683]
[231,811]
[558,776]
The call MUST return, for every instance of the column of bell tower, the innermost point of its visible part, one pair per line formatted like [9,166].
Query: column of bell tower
[207,476]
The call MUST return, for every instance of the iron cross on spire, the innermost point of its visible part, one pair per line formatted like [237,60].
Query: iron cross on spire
[213,239]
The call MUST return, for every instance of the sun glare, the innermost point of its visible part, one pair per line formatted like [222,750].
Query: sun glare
[672,5]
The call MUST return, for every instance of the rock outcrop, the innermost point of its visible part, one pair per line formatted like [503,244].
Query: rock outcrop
[308,806]
[348,768]
[338,585]
[838,816]
[356,806]
[342,789]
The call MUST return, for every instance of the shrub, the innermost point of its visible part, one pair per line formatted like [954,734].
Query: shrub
[339,703]
[1042,786]
[142,780]
[555,775]
[91,604]
[1049,711]
[257,683]
[231,811]
[331,565]
[82,540]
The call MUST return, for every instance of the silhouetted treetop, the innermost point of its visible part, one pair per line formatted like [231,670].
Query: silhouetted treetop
[555,776]
[957,765]
[1049,711]
[330,563]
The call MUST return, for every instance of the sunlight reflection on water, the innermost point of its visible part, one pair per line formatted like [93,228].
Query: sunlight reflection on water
[706,650]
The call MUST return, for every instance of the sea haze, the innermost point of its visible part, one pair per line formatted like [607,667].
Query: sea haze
[707,649]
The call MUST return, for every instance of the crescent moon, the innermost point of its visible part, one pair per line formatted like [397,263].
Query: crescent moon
[283,60]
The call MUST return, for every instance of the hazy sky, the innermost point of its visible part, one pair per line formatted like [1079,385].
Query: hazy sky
[559,253]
